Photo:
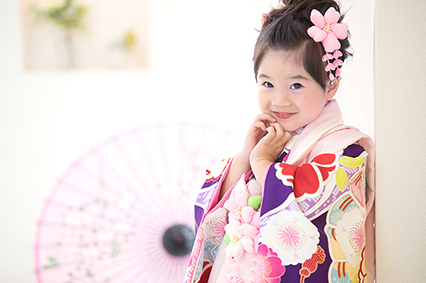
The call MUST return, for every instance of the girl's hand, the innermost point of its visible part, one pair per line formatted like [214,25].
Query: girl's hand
[268,149]
[256,132]
[262,128]
[241,163]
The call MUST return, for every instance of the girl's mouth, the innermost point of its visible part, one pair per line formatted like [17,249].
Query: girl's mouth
[283,115]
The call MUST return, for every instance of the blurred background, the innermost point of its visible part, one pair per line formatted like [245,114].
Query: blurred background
[66,87]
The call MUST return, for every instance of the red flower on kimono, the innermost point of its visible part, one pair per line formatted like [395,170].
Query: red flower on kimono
[309,179]
[269,268]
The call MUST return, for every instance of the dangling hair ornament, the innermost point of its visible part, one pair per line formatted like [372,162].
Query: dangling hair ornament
[327,31]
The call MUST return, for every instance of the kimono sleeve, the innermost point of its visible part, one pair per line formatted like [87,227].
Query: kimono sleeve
[314,186]
[208,195]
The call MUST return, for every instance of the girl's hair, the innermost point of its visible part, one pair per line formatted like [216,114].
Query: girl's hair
[286,28]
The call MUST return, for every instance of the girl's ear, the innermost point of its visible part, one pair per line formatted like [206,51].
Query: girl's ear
[332,89]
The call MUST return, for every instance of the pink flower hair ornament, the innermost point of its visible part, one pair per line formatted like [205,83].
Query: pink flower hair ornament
[328,31]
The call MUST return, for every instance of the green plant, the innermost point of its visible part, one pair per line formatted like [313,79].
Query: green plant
[65,14]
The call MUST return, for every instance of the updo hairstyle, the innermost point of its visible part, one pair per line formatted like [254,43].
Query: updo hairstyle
[286,28]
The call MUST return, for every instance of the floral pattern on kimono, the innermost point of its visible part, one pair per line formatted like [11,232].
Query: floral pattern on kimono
[345,225]
[316,214]
[317,218]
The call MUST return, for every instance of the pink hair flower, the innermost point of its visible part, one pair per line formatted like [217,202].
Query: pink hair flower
[327,30]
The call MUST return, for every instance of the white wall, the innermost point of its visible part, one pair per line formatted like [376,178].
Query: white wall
[400,136]
[200,55]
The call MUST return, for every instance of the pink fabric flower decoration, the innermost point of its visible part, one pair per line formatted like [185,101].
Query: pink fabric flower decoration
[327,30]
[236,280]
[238,207]
[242,238]
[268,268]
[237,200]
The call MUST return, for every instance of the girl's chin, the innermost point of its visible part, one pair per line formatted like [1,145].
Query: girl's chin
[286,127]
[290,128]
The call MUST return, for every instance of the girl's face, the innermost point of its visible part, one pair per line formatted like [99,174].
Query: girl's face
[288,93]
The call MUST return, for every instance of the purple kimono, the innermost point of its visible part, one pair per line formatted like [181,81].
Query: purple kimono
[313,221]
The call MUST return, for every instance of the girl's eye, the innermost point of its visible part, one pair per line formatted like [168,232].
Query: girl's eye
[295,86]
[268,85]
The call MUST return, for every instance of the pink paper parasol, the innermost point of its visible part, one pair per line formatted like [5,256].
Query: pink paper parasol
[123,212]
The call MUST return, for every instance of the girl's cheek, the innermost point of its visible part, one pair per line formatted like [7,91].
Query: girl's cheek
[264,106]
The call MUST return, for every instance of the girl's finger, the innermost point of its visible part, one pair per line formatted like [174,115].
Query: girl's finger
[287,135]
[271,133]
[281,134]
[278,129]
[259,125]
[265,118]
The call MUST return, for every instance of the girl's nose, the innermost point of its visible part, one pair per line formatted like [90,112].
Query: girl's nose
[281,100]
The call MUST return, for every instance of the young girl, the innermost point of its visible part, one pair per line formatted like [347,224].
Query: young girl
[296,203]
